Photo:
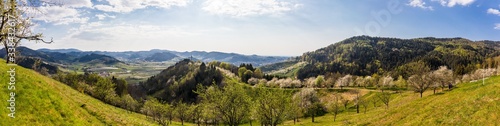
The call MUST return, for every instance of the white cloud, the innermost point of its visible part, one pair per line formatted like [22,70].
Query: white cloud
[419,4]
[59,15]
[493,11]
[446,3]
[71,3]
[125,6]
[127,32]
[452,3]
[103,16]
[497,26]
[100,16]
[241,8]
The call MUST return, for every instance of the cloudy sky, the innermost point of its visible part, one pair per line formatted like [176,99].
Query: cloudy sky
[263,27]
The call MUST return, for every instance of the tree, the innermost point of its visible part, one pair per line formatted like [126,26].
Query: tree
[357,99]
[360,81]
[258,73]
[156,110]
[319,81]
[196,113]
[253,81]
[182,111]
[374,102]
[231,102]
[386,82]
[241,71]
[272,106]
[363,102]
[247,75]
[434,85]
[121,86]
[330,82]
[104,87]
[310,82]
[209,114]
[130,103]
[296,84]
[345,102]
[15,26]
[443,77]
[420,83]
[309,101]
[344,81]
[168,112]
[334,105]
[385,97]
[296,111]
[400,84]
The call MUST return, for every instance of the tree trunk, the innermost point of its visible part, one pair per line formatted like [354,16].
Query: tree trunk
[421,93]
[357,108]
[335,118]
[313,117]
[434,90]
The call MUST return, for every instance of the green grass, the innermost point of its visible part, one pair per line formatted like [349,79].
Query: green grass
[468,104]
[43,101]
[288,70]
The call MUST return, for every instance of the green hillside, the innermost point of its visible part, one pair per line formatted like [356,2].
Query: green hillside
[43,101]
[365,55]
[468,104]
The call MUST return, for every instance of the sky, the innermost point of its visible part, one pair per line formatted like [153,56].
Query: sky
[262,27]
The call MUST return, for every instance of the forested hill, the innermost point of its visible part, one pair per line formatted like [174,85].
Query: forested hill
[365,55]
[177,82]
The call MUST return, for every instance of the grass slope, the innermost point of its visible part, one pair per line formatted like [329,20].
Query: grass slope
[468,104]
[43,101]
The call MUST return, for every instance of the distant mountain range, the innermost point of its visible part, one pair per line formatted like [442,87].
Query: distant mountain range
[64,56]
[157,55]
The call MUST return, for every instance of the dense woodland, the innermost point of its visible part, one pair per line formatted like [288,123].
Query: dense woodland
[364,55]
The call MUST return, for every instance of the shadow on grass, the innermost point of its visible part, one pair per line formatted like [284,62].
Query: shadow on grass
[337,90]
[439,93]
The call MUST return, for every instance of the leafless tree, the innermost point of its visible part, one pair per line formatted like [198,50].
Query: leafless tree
[385,97]
[357,99]
[420,83]
[16,25]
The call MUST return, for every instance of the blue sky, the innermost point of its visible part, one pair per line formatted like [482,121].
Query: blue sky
[262,27]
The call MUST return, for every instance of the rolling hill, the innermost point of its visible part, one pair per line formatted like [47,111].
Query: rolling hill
[365,55]
[157,55]
[177,82]
[160,57]
[469,103]
[97,59]
[43,101]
